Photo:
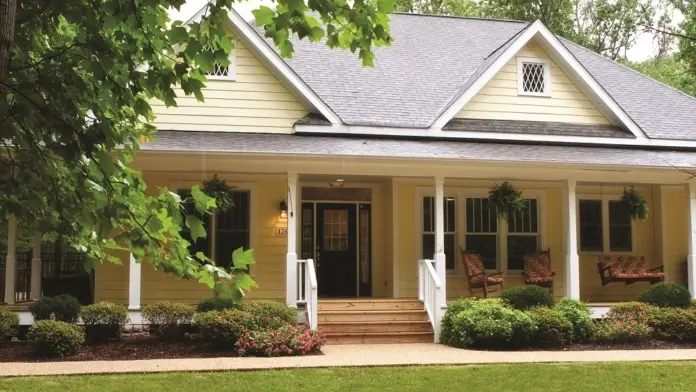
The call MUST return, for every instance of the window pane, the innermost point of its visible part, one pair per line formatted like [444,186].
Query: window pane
[232,228]
[450,215]
[450,248]
[486,245]
[518,247]
[480,216]
[526,221]
[619,227]
[590,215]
[428,211]
[428,246]
[618,213]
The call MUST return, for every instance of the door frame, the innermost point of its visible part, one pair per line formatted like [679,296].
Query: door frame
[356,205]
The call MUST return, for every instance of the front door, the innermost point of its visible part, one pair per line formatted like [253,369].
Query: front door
[337,250]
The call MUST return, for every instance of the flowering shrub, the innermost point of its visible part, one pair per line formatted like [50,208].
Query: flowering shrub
[623,328]
[447,334]
[642,311]
[289,340]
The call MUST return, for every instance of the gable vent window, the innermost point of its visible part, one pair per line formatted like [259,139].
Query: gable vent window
[223,72]
[533,77]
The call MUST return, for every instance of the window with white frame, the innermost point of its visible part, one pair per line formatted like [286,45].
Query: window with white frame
[482,230]
[223,72]
[522,234]
[533,76]
[605,225]
[428,230]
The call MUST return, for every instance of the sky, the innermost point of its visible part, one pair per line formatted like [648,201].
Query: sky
[642,50]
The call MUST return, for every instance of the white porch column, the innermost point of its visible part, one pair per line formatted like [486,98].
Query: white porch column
[35,282]
[572,260]
[134,282]
[691,208]
[291,257]
[439,257]
[11,260]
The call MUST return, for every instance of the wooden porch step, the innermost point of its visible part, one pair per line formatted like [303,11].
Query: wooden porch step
[373,304]
[336,316]
[379,337]
[351,327]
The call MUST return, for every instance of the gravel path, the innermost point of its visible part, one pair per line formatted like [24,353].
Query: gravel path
[344,355]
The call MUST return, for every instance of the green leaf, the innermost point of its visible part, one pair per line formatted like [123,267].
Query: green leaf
[196,228]
[241,259]
[386,6]
[263,15]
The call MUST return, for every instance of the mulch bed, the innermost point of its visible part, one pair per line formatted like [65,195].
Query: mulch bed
[128,348]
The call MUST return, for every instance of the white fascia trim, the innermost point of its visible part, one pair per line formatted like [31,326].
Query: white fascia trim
[434,133]
[568,62]
[277,65]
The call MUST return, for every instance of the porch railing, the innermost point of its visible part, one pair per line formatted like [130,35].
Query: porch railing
[307,290]
[430,293]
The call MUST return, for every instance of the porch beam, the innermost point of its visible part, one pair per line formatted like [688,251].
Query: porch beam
[291,256]
[35,282]
[439,257]
[134,283]
[11,260]
[572,260]
[691,258]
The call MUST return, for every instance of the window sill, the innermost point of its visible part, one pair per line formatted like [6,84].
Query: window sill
[221,78]
[538,95]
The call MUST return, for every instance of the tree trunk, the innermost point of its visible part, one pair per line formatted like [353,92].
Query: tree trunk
[8,12]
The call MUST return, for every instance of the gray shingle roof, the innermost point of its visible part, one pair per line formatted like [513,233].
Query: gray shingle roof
[536,128]
[253,143]
[433,58]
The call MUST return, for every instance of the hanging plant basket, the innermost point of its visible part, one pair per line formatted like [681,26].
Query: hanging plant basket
[506,199]
[221,192]
[636,204]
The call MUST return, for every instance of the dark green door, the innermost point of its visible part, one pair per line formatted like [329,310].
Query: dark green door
[337,250]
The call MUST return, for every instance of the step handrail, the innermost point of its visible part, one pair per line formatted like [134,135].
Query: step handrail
[308,281]
[430,292]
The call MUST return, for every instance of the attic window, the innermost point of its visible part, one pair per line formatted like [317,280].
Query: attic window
[533,77]
[223,72]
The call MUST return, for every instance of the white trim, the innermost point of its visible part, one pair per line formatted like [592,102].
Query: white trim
[605,199]
[11,260]
[570,222]
[231,68]
[520,75]
[691,239]
[395,238]
[134,283]
[438,133]
[565,60]
[291,255]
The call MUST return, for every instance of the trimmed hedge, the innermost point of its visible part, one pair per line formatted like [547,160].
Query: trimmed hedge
[9,324]
[622,328]
[527,297]
[103,321]
[168,320]
[553,328]
[579,316]
[63,307]
[225,326]
[51,338]
[492,325]
[667,295]
[643,312]
[215,303]
[453,309]
[270,314]
[674,324]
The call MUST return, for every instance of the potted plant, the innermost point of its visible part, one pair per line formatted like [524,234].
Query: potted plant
[506,199]
[636,204]
[221,192]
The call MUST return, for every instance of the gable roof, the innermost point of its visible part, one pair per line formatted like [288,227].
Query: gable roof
[434,59]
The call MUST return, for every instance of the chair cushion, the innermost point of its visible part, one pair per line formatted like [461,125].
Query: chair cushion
[634,264]
[616,264]
[537,266]
[473,264]
[539,279]
[478,280]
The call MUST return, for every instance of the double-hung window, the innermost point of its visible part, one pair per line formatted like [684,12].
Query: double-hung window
[522,234]
[482,230]
[604,226]
[428,230]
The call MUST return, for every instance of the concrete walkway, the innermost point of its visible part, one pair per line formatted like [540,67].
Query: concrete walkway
[344,355]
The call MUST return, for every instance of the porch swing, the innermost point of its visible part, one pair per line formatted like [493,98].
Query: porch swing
[627,269]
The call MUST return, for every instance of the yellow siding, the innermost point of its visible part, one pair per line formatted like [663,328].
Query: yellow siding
[676,232]
[499,99]
[255,101]
[111,281]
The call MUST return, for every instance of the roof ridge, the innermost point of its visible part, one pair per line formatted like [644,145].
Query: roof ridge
[644,76]
[460,17]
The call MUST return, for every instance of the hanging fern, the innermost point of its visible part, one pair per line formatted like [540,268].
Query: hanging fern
[636,204]
[506,199]
[221,192]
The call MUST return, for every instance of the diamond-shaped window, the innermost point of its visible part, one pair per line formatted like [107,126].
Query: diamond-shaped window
[218,69]
[533,78]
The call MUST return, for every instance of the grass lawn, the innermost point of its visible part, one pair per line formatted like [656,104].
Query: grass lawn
[616,377]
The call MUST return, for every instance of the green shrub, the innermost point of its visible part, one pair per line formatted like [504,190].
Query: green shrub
[674,324]
[64,307]
[284,341]
[553,329]
[492,326]
[643,312]
[168,320]
[622,328]
[447,335]
[51,338]
[579,316]
[223,327]
[215,303]
[103,321]
[9,324]
[270,314]
[527,297]
[667,295]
